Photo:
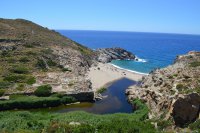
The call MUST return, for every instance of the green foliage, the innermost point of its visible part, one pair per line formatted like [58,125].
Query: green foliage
[15,78]
[20,87]
[28,102]
[20,70]
[24,59]
[5,84]
[195,126]
[47,51]
[31,80]
[90,123]
[67,99]
[179,87]
[101,90]
[41,64]
[43,91]
[195,64]
[162,124]
[2,91]
[51,63]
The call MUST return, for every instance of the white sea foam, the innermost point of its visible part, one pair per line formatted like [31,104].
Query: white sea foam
[140,60]
[129,70]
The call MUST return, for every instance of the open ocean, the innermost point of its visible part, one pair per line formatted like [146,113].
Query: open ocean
[155,50]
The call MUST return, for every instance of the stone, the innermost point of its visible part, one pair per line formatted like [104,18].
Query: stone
[186,110]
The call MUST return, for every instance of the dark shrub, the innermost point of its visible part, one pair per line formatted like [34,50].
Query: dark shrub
[24,59]
[15,78]
[67,99]
[20,70]
[41,64]
[195,64]
[51,63]
[66,69]
[43,91]
[28,102]
[2,91]
[5,84]
[179,87]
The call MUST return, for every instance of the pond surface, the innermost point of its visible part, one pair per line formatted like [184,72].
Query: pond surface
[115,101]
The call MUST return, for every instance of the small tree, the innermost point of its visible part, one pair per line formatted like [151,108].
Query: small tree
[43,91]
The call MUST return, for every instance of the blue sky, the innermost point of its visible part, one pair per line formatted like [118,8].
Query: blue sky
[167,16]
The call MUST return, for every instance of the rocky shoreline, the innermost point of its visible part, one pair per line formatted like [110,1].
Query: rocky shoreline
[172,92]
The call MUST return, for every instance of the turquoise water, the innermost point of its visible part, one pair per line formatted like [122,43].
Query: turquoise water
[155,50]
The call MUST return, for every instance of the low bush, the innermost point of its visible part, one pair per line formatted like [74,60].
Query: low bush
[31,80]
[67,99]
[28,102]
[24,59]
[51,62]
[43,91]
[5,84]
[195,64]
[179,87]
[90,123]
[2,91]
[41,64]
[15,78]
[195,126]
[20,70]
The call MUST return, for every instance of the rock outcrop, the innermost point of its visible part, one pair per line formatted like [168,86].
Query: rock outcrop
[186,109]
[106,55]
[163,88]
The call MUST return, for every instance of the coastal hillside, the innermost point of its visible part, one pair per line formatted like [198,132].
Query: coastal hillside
[172,92]
[31,55]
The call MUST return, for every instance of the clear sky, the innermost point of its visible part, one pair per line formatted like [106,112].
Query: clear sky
[167,16]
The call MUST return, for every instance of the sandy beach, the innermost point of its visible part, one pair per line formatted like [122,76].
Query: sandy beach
[103,74]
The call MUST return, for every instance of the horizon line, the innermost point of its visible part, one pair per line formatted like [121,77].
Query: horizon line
[154,32]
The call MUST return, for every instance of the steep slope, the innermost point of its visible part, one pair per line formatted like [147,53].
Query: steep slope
[172,91]
[31,55]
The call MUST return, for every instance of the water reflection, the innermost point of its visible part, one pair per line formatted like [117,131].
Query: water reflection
[115,101]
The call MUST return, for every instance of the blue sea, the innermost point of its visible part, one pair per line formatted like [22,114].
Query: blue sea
[155,50]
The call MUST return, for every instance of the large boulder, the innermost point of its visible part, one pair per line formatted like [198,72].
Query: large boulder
[186,110]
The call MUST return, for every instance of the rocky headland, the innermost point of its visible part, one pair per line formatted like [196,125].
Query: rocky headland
[106,55]
[172,92]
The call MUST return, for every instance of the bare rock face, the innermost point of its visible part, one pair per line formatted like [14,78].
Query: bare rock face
[186,110]
[106,55]
[162,87]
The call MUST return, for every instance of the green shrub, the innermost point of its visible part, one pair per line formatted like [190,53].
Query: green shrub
[28,102]
[101,90]
[68,99]
[179,87]
[41,64]
[5,84]
[162,124]
[2,91]
[20,70]
[195,64]
[43,91]
[51,63]
[15,78]
[31,80]
[195,125]
[24,59]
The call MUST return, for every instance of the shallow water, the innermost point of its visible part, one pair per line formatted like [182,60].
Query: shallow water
[115,101]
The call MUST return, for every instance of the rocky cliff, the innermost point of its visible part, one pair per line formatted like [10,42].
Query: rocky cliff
[31,55]
[172,91]
[106,55]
